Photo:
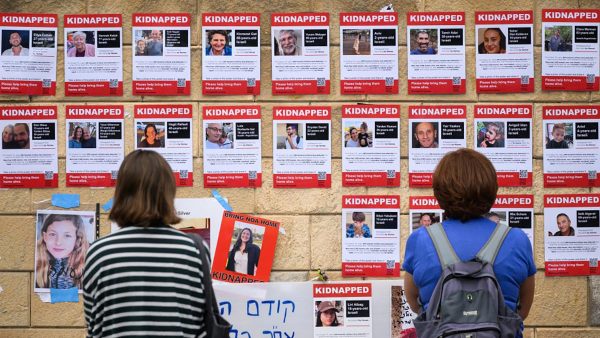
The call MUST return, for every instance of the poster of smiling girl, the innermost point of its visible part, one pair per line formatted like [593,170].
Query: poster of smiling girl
[62,240]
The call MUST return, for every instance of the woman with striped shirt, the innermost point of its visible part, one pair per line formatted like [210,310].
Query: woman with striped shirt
[146,278]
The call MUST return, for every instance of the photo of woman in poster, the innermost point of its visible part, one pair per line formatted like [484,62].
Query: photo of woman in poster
[493,41]
[218,43]
[327,314]
[60,251]
[243,257]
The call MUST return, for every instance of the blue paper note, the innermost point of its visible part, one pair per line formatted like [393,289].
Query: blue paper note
[65,200]
[108,205]
[64,295]
[221,200]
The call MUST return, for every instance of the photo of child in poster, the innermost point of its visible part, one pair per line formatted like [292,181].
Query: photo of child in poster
[490,134]
[62,241]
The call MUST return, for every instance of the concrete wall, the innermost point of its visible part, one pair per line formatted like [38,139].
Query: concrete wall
[563,307]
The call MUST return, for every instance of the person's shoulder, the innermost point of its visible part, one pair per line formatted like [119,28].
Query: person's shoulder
[518,237]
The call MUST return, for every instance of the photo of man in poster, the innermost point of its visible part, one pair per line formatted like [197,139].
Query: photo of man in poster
[423,41]
[154,47]
[287,44]
[425,134]
[293,140]
[16,47]
[217,137]
[21,135]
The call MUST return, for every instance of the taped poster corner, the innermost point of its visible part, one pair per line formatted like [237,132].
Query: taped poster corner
[70,295]
[108,205]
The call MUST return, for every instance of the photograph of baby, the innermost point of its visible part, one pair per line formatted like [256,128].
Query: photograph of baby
[62,241]
[490,134]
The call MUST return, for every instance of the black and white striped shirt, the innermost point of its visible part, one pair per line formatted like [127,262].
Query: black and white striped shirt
[144,282]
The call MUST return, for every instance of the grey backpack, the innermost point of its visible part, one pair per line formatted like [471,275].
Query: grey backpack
[467,301]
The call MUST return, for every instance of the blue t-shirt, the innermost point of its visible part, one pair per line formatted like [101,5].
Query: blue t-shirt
[513,264]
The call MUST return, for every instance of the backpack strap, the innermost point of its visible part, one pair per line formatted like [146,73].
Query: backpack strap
[444,249]
[490,250]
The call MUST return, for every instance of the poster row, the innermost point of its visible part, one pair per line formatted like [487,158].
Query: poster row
[302,144]
[300,53]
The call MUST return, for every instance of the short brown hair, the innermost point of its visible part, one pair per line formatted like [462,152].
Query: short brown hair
[145,191]
[465,184]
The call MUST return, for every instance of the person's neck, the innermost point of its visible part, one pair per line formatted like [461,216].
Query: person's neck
[17,49]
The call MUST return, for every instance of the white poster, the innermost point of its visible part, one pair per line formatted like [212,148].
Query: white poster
[94,144]
[343,310]
[516,211]
[161,54]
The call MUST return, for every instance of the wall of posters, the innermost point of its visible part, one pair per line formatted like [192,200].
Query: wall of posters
[572,234]
[436,56]
[167,129]
[424,211]
[161,54]
[93,55]
[245,248]
[516,211]
[504,43]
[62,240]
[236,37]
[571,146]
[369,53]
[94,145]
[503,134]
[570,47]
[371,145]
[302,147]
[434,131]
[29,147]
[370,236]
[232,146]
[300,53]
[28,53]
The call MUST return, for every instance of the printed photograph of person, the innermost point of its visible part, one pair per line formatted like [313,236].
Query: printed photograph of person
[558,39]
[329,313]
[490,134]
[148,42]
[563,222]
[423,41]
[357,134]
[420,219]
[218,43]
[83,44]
[244,251]
[493,41]
[150,134]
[356,42]
[62,240]
[15,42]
[357,225]
[289,136]
[497,217]
[425,134]
[560,135]
[82,135]
[8,137]
[219,135]
[288,42]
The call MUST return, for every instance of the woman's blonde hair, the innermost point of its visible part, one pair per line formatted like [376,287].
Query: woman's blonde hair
[144,192]
[76,260]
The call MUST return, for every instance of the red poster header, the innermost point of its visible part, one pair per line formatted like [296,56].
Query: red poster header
[95,112]
[163,111]
[370,111]
[231,19]
[513,201]
[570,112]
[230,112]
[572,200]
[302,113]
[28,113]
[300,19]
[369,19]
[29,20]
[341,290]
[161,19]
[436,112]
[435,18]
[504,17]
[504,111]
[570,15]
[93,20]
[371,201]
[423,202]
